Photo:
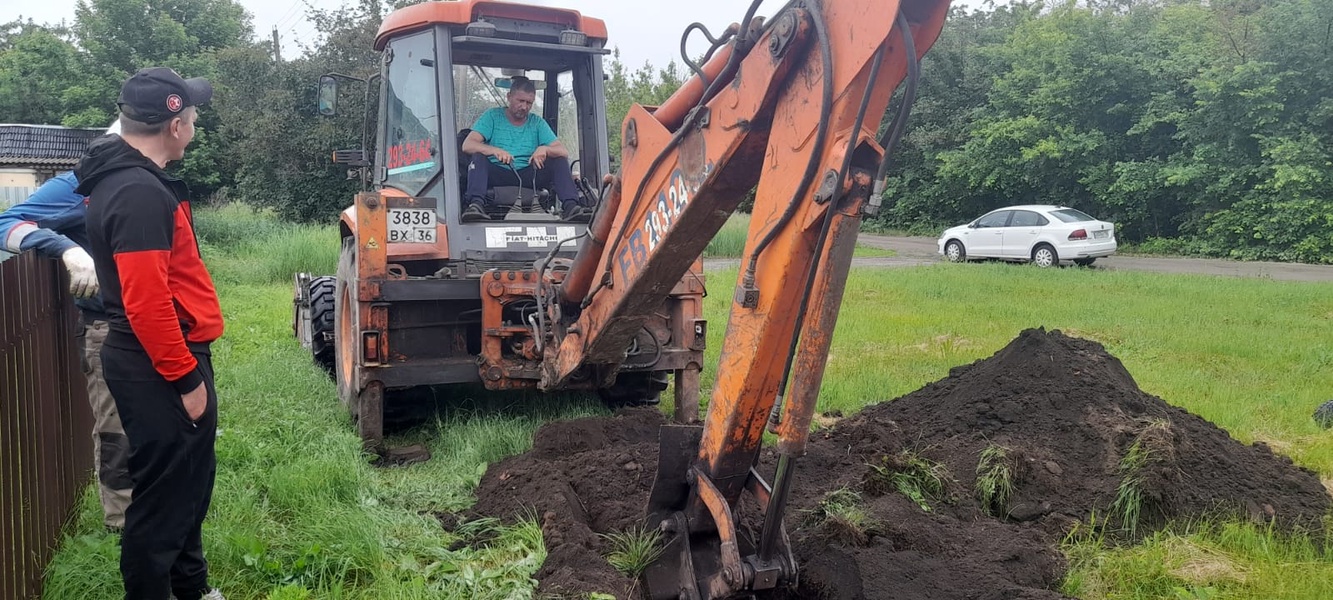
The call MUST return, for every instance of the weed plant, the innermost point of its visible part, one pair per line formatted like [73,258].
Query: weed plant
[632,550]
[995,479]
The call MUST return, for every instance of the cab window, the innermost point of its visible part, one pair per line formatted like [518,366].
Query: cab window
[412,121]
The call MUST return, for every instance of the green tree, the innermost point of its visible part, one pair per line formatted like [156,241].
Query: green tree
[267,111]
[37,66]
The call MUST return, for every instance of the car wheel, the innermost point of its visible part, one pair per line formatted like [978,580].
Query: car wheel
[1084,262]
[954,251]
[1044,256]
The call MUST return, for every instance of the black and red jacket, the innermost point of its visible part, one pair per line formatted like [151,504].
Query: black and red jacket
[153,281]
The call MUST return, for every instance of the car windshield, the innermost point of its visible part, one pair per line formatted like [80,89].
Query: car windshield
[1069,215]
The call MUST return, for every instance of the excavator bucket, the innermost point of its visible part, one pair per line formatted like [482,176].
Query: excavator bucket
[677,449]
[671,577]
[704,556]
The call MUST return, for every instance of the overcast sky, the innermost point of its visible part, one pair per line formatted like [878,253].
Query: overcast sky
[643,30]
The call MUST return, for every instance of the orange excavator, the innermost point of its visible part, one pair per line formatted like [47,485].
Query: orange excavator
[787,106]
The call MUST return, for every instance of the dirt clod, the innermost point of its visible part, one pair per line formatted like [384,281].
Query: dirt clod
[1079,431]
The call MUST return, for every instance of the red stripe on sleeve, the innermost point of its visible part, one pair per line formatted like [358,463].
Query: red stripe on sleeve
[152,313]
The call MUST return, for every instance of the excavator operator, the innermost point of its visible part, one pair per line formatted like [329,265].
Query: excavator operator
[512,146]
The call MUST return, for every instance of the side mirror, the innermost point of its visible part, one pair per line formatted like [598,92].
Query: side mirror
[328,96]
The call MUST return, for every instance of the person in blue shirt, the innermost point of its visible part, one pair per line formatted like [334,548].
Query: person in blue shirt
[51,223]
[511,146]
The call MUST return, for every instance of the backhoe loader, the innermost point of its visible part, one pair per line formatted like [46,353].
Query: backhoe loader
[788,107]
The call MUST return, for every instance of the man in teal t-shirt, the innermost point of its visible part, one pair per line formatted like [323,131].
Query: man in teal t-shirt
[512,146]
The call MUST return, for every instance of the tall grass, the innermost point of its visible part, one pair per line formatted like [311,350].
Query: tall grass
[247,246]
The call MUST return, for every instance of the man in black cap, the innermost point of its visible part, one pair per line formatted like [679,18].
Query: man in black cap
[163,313]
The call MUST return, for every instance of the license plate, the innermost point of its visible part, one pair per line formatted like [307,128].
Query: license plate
[1100,235]
[411,226]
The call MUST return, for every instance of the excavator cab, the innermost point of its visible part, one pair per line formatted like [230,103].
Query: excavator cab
[443,67]
[426,296]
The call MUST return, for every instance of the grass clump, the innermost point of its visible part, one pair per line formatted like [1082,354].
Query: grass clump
[995,480]
[1148,446]
[921,480]
[632,550]
[842,516]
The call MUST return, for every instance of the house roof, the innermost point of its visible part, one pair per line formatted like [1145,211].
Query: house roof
[43,145]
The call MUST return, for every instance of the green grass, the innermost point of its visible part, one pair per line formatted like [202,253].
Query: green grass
[246,246]
[730,241]
[995,479]
[921,480]
[842,516]
[1236,561]
[1128,505]
[632,551]
[299,512]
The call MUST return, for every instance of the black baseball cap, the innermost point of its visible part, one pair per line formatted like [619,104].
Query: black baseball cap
[156,94]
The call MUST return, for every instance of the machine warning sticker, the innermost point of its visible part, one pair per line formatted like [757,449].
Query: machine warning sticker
[410,156]
[533,237]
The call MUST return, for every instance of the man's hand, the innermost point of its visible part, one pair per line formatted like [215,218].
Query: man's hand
[502,156]
[195,402]
[539,156]
[82,274]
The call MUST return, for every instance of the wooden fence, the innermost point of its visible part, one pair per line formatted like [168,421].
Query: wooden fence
[45,422]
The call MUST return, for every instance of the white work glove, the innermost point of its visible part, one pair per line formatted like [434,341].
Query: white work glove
[82,275]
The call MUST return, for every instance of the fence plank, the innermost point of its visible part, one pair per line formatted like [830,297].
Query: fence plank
[45,448]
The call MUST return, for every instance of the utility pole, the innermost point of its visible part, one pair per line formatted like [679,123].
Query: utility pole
[277,47]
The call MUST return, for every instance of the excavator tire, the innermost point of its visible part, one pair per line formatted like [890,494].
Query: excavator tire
[322,291]
[636,388]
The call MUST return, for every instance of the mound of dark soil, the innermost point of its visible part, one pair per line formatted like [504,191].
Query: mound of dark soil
[1066,413]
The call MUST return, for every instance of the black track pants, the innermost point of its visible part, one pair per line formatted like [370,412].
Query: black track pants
[172,466]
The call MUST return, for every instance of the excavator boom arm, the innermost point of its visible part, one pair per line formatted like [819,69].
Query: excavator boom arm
[791,107]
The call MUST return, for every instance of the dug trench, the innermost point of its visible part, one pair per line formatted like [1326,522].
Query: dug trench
[886,504]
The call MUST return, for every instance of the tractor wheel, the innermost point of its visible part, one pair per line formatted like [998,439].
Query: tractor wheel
[636,388]
[344,323]
[364,400]
[322,290]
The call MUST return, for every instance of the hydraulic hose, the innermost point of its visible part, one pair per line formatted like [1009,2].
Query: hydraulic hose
[892,136]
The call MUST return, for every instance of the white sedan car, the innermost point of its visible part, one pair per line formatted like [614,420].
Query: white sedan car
[1043,234]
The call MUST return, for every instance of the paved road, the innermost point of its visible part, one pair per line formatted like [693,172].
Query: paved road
[916,251]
